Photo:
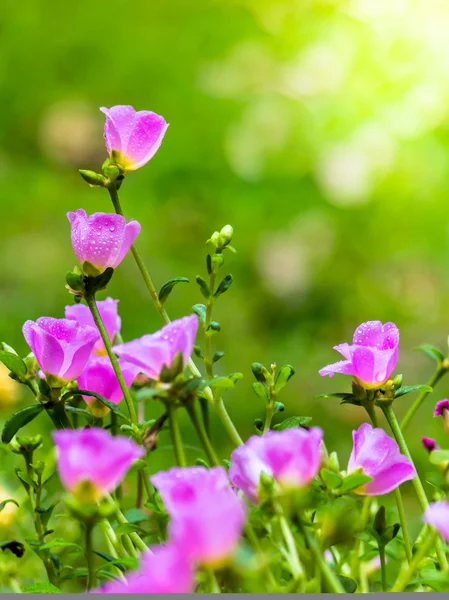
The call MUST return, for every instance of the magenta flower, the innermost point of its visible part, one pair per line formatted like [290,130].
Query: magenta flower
[101,239]
[371,357]
[379,456]
[61,347]
[134,137]
[207,516]
[99,377]
[155,350]
[292,457]
[429,444]
[163,570]
[437,515]
[95,457]
[108,313]
[441,408]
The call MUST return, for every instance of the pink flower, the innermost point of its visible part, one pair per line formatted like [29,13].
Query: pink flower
[292,457]
[134,136]
[99,377]
[371,357]
[95,457]
[379,457]
[61,347]
[163,570]
[207,516]
[102,239]
[441,408]
[108,313]
[152,351]
[429,444]
[437,515]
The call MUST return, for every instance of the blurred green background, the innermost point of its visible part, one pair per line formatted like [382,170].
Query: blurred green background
[319,129]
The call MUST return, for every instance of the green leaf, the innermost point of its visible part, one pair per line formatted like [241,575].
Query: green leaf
[406,389]
[432,352]
[200,311]
[46,513]
[19,420]
[13,546]
[439,456]
[342,395]
[135,515]
[217,356]
[224,286]
[331,479]
[74,410]
[285,374]
[293,422]
[113,407]
[220,383]
[353,481]
[126,528]
[41,588]
[59,543]
[260,390]
[204,288]
[26,480]
[5,502]
[168,287]
[14,363]
[349,584]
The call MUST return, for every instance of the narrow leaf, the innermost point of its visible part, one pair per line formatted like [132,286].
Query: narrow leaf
[41,588]
[19,420]
[5,502]
[113,407]
[293,422]
[406,389]
[431,351]
[14,363]
[353,481]
[168,286]
[224,285]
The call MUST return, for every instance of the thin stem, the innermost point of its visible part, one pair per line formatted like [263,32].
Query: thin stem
[383,565]
[202,434]
[356,567]
[331,578]
[405,576]
[112,539]
[295,564]
[89,556]
[269,413]
[90,299]
[227,422]
[419,489]
[254,540]
[403,521]
[176,434]
[441,370]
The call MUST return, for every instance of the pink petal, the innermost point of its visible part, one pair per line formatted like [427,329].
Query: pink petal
[132,230]
[145,138]
[342,366]
[120,121]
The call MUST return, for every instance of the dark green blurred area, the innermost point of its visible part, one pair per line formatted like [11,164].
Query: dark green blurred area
[318,129]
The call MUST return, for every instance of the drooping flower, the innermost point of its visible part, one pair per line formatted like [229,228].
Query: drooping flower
[132,138]
[371,357]
[163,570]
[429,444]
[108,313]
[61,346]
[93,461]
[437,515]
[380,457]
[152,351]
[292,457]
[442,410]
[99,377]
[207,516]
[101,239]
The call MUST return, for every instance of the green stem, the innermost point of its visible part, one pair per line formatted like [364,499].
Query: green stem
[295,564]
[419,489]
[202,434]
[331,578]
[90,299]
[229,426]
[227,422]
[403,521]
[112,539]
[254,540]
[441,370]
[89,556]
[405,575]
[383,565]
[176,434]
[356,567]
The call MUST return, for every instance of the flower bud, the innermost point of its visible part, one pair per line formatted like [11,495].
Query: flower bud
[225,236]
[92,178]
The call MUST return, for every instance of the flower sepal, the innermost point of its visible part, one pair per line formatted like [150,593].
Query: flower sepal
[381,531]
[82,504]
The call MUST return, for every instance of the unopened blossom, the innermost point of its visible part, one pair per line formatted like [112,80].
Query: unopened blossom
[379,457]
[429,444]
[371,357]
[132,138]
[93,460]
[153,351]
[108,313]
[437,516]
[101,239]
[442,410]
[292,457]
[163,570]
[206,515]
[61,346]
[99,377]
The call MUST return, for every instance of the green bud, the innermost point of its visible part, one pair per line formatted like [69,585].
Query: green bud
[214,326]
[217,261]
[204,288]
[214,240]
[333,463]
[380,521]
[279,407]
[92,178]
[397,382]
[75,281]
[25,445]
[266,485]
[39,467]
[225,236]
[260,390]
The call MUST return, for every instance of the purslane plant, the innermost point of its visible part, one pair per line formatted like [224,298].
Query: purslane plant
[278,515]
